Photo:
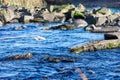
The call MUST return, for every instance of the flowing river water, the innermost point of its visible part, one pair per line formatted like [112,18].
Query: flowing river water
[99,65]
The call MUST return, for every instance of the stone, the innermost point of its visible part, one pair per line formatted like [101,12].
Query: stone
[26,18]
[96,45]
[20,27]
[19,57]
[79,23]
[100,20]
[104,11]
[81,7]
[8,14]
[1,23]
[54,17]
[109,36]
[107,29]
[61,27]
[92,27]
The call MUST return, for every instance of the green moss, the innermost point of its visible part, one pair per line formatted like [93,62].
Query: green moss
[111,45]
[79,15]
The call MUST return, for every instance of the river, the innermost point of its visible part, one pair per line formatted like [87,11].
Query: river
[99,65]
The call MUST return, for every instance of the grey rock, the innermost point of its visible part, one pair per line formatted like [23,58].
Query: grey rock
[1,23]
[79,23]
[101,20]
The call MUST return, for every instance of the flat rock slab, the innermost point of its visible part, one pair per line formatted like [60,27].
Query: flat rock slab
[115,35]
[97,45]
[106,30]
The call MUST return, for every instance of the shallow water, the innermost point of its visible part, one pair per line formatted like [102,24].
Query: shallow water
[100,65]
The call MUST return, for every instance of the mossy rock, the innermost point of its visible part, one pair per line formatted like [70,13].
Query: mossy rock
[79,15]
[63,8]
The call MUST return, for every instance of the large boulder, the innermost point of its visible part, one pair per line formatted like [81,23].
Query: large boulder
[104,11]
[97,45]
[79,23]
[54,17]
[100,20]
[7,13]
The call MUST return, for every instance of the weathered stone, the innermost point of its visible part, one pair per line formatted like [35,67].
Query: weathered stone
[80,23]
[106,29]
[18,57]
[8,14]
[56,60]
[26,19]
[20,27]
[1,23]
[81,7]
[92,27]
[97,45]
[115,35]
[61,27]
[101,20]
[54,17]
[103,11]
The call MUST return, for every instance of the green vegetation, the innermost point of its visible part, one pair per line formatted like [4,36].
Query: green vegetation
[79,15]
[111,45]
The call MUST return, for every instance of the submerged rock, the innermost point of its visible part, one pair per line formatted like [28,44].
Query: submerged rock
[19,57]
[20,27]
[56,60]
[97,45]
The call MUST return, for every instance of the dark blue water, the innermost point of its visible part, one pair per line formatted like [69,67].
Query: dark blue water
[99,65]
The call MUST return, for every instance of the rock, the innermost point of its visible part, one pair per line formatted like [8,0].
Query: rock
[104,11]
[106,29]
[109,36]
[8,14]
[97,45]
[90,18]
[20,27]
[92,27]
[81,7]
[63,8]
[54,17]
[19,57]
[100,20]
[28,18]
[1,23]
[62,59]
[80,23]
[61,27]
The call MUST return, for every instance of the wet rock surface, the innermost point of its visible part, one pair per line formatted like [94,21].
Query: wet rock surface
[97,45]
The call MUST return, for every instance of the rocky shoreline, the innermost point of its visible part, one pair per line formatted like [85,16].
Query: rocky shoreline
[101,20]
